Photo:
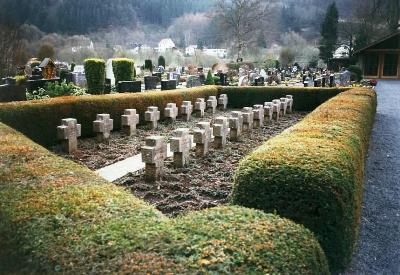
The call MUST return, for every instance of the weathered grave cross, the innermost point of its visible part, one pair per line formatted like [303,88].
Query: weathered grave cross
[236,125]
[103,125]
[181,144]
[200,106]
[186,110]
[152,116]
[258,115]
[223,101]
[268,110]
[220,132]
[171,111]
[248,118]
[212,104]
[202,138]
[129,120]
[68,132]
[153,155]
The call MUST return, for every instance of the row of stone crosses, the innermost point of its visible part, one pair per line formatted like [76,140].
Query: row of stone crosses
[155,151]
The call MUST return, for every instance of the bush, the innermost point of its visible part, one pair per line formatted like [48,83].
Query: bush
[95,71]
[55,89]
[123,69]
[28,117]
[21,79]
[209,79]
[356,71]
[313,173]
[148,65]
[72,66]
[59,217]
[161,61]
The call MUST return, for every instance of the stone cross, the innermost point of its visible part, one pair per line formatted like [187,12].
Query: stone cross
[103,125]
[152,116]
[212,104]
[284,104]
[236,125]
[276,106]
[153,155]
[171,111]
[202,137]
[258,116]
[129,120]
[68,132]
[268,110]
[181,143]
[290,102]
[221,130]
[187,110]
[248,118]
[200,106]
[223,101]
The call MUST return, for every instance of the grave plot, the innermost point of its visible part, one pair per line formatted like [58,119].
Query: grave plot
[96,153]
[206,181]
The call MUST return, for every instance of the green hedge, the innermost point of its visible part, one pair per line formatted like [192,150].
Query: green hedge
[39,119]
[59,217]
[95,72]
[123,69]
[313,172]
[305,99]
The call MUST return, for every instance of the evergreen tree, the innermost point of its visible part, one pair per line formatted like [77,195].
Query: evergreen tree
[161,61]
[329,33]
[209,79]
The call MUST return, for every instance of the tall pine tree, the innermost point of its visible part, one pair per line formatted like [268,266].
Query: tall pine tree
[329,33]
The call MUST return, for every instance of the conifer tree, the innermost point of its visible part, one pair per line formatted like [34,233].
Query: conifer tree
[329,33]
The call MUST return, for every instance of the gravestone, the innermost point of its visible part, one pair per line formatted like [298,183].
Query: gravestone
[202,137]
[153,155]
[129,120]
[168,85]
[171,111]
[220,129]
[200,106]
[186,110]
[248,118]
[284,105]
[107,85]
[193,81]
[152,116]
[268,110]
[258,116]
[290,103]
[212,104]
[276,107]
[10,93]
[150,82]
[68,133]
[236,125]
[102,126]
[129,86]
[181,144]
[223,101]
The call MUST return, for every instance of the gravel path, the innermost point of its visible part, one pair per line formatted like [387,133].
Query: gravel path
[378,249]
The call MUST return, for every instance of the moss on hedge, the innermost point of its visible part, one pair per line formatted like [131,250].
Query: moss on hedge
[39,119]
[313,172]
[57,216]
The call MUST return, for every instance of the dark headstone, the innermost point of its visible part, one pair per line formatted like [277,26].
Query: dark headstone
[10,93]
[158,75]
[259,81]
[129,87]
[10,81]
[34,85]
[150,82]
[69,78]
[332,80]
[107,86]
[223,79]
[323,82]
[168,85]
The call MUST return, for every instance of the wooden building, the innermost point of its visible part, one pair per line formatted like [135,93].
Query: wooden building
[48,68]
[381,59]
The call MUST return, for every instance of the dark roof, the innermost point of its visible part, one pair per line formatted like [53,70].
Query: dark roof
[45,62]
[378,41]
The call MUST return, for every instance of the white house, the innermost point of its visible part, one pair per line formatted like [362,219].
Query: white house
[190,50]
[220,53]
[165,45]
[342,52]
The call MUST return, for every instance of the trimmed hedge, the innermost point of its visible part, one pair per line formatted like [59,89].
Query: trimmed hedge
[95,72]
[57,216]
[305,99]
[313,172]
[123,69]
[39,119]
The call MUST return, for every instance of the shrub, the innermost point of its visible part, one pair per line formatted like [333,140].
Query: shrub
[148,65]
[356,70]
[209,79]
[20,79]
[161,61]
[57,216]
[72,66]
[313,173]
[28,117]
[95,71]
[123,69]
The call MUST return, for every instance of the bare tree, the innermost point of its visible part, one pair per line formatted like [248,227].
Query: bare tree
[241,19]
[11,47]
